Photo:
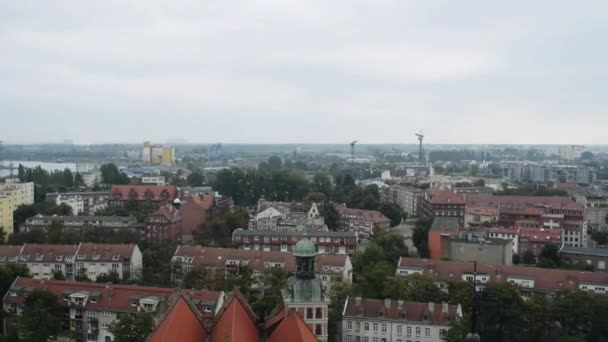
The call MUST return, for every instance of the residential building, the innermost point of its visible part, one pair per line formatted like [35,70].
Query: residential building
[153,180]
[363,222]
[87,259]
[80,223]
[531,172]
[90,308]
[158,154]
[473,190]
[442,203]
[482,250]
[331,269]
[119,194]
[201,208]
[549,212]
[164,225]
[507,234]
[6,215]
[304,292]
[530,279]
[327,242]
[81,202]
[480,215]
[375,320]
[284,217]
[19,193]
[534,240]
[594,258]
[440,228]
[407,197]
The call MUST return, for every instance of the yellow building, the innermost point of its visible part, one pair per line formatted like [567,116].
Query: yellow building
[168,156]
[19,193]
[6,215]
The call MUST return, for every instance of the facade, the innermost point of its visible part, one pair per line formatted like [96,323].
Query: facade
[362,222]
[595,258]
[19,193]
[327,242]
[482,250]
[480,216]
[90,308]
[507,234]
[87,259]
[153,194]
[442,203]
[375,320]
[442,227]
[407,197]
[80,223]
[474,190]
[164,225]
[530,172]
[305,294]
[334,269]
[534,240]
[153,180]
[6,215]
[158,154]
[530,279]
[284,217]
[81,202]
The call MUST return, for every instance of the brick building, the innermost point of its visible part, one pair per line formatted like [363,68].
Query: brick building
[363,222]
[441,227]
[151,194]
[164,225]
[442,203]
[534,240]
[326,241]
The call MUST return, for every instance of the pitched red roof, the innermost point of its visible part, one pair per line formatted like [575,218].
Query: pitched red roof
[236,322]
[180,324]
[292,328]
[330,260]
[540,235]
[169,212]
[144,192]
[105,252]
[444,196]
[558,202]
[219,257]
[544,278]
[114,298]
[47,253]
[430,313]
[360,214]
[7,251]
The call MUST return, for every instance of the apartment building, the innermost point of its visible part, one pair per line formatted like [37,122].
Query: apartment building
[327,242]
[511,234]
[595,258]
[90,308]
[532,172]
[377,320]
[164,225]
[406,197]
[6,215]
[333,269]
[153,194]
[81,202]
[19,193]
[87,259]
[80,223]
[442,203]
[362,222]
[534,240]
[530,279]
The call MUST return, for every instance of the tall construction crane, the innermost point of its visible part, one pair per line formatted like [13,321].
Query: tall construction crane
[1,160]
[420,152]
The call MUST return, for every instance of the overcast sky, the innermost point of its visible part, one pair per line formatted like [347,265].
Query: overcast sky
[304,71]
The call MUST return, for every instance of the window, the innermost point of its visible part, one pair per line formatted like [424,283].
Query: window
[366,339]
[318,330]
[375,327]
[366,327]
[350,338]
[417,331]
[319,313]
[357,326]
[106,314]
[375,339]
[409,331]
[349,325]
[443,333]
[106,325]
[309,313]
[399,330]
[384,328]
[427,332]
[108,339]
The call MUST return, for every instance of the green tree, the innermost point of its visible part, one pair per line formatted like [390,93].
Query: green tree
[78,180]
[200,277]
[549,256]
[502,319]
[132,328]
[58,275]
[8,273]
[111,175]
[393,212]
[331,215]
[322,183]
[316,197]
[236,218]
[41,316]
[528,258]
[195,178]
[112,277]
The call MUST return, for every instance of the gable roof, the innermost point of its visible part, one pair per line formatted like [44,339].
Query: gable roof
[219,257]
[429,313]
[236,322]
[443,196]
[292,328]
[123,192]
[180,324]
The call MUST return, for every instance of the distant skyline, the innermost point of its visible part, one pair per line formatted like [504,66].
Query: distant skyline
[474,72]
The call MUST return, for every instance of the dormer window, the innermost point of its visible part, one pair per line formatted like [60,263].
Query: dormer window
[96,256]
[116,257]
[39,257]
[59,258]
[81,257]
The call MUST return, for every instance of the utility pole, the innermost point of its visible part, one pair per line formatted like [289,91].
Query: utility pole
[473,336]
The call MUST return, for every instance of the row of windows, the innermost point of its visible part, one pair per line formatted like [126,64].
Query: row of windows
[384,326]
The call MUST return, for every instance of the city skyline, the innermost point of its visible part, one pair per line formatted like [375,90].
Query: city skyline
[280,72]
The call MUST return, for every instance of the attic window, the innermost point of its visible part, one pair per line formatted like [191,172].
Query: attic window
[93,300]
[116,257]
[80,256]
[381,314]
[403,315]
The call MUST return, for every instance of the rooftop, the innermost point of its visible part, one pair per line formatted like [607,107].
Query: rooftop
[293,233]
[443,196]
[445,224]
[591,251]
[429,313]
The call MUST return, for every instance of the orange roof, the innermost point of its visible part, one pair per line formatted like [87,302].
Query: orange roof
[180,324]
[292,328]
[143,192]
[444,196]
[236,322]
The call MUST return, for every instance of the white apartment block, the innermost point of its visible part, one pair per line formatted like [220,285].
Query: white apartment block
[376,320]
[87,259]
[19,193]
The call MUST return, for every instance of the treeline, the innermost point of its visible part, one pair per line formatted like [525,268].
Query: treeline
[53,181]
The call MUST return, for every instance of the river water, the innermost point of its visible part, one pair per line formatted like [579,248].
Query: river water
[45,165]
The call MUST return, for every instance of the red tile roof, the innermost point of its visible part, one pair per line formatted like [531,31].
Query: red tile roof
[330,260]
[401,311]
[236,322]
[292,328]
[169,212]
[540,235]
[482,210]
[156,192]
[114,298]
[544,278]
[10,251]
[105,252]
[366,215]
[558,202]
[444,196]
[181,324]
[218,257]
[47,253]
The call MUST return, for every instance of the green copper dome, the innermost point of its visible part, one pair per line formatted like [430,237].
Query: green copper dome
[305,248]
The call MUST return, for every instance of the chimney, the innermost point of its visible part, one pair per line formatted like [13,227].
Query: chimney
[431,306]
[387,303]
[444,307]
